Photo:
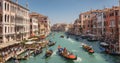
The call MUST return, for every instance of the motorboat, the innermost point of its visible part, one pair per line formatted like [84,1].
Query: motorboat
[88,48]
[104,44]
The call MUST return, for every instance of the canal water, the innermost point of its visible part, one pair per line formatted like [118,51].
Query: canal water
[75,47]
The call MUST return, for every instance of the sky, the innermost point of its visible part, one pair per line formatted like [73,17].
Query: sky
[66,11]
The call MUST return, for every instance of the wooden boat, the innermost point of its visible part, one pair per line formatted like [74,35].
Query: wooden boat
[67,36]
[36,52]
[62,36]
[92,37]
[88,48]
[84,36]
[48,53]
[77,39]
[66,54]
[51,43]
[103,44]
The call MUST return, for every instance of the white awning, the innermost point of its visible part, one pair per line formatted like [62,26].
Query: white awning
[30,42]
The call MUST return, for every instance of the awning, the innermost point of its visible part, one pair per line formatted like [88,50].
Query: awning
[3,45]
[30,42]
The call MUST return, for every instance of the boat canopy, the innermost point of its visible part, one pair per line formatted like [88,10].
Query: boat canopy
[91,35]
[31,42]
[103,43]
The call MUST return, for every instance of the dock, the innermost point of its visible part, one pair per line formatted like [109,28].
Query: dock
[10,56]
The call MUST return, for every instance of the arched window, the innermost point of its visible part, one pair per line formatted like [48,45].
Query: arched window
[5,6]
[5,18]
[8,18]
[8,7]
[5,29]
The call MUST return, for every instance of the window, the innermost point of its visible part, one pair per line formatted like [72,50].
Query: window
[0,29]
[104,30]
[0,4]
[1,38]
[0,17]
[8,7]
[116,13]
[5,18]
[5,6]
[8,29]
[112,14]
[5,29]
[8,18]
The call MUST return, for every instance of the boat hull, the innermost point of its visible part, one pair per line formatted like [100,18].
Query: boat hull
[88,49]
[48,54]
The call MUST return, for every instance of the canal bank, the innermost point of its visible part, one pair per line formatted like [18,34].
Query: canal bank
[75,47]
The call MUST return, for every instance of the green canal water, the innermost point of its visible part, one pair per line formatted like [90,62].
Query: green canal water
[75,47]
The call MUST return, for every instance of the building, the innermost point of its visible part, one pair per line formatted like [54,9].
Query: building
[33,26]
[77,27]
[111,17]
[14,21]
[62,27]
[87,19]
[43,24]
[105,23]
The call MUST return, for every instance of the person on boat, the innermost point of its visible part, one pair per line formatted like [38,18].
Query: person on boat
[16,61]
[59,46]
[48,52]
[65,51]
[60,49]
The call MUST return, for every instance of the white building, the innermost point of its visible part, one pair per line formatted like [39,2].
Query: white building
[14,21]
[33,26]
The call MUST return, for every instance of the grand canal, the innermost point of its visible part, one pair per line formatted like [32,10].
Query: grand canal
[74,46]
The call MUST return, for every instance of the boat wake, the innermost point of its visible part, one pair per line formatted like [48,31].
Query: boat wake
[72,41]
[31,57]
[74,51]
[78,59]
[54,53]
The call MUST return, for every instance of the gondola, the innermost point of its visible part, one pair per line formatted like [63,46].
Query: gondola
[67,36]
[48,53]
[88,48]
[62,36]
[66,54]
[77,39]
[91,39]
[36,52]
[104,44]
[51,43]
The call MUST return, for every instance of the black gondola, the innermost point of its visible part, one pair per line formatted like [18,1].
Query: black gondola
[48,53]
[62,36]
[51,43]
[36,52]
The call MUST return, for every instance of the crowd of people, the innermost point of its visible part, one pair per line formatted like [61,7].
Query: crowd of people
[11,50]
